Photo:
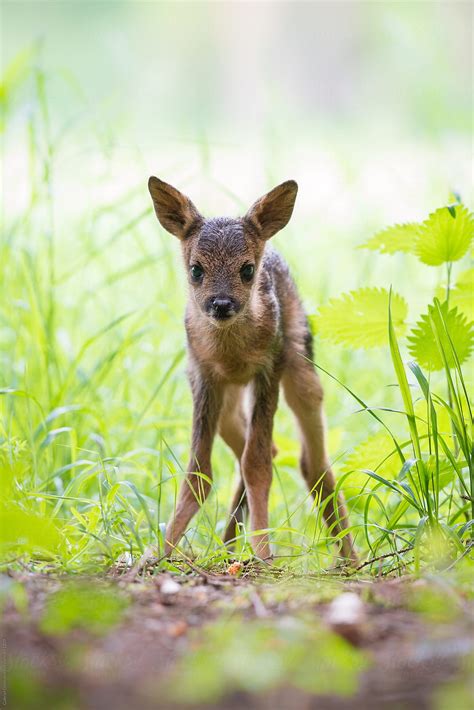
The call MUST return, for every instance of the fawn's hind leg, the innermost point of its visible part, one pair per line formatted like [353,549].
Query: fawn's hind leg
[304,394]
[232,427]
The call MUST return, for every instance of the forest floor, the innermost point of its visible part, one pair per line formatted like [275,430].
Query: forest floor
[258,641]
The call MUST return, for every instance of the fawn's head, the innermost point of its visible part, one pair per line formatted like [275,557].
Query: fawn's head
[222,255]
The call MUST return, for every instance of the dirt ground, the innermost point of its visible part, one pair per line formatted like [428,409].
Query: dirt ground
[412,656]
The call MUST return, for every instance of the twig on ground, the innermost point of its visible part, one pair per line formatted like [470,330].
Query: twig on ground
[383,557]
[398,568]
[214,579]
[148,559]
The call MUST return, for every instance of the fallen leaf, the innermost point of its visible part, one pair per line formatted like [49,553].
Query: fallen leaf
[235,568]
[177,629]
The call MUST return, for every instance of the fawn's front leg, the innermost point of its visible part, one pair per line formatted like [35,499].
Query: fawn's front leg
[257,459]
[207,401]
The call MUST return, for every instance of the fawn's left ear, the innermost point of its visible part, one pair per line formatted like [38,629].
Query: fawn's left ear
[175,212]
[272,212]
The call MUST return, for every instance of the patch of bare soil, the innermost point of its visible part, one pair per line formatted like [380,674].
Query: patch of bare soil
[411,656]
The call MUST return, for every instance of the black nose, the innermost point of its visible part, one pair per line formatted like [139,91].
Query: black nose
[222,307]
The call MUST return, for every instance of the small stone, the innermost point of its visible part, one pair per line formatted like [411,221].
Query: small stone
[169,587]
[346,616]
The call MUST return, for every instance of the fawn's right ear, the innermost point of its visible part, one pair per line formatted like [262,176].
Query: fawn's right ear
[175,212]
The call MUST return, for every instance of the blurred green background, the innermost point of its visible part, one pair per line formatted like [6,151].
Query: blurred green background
[366,104]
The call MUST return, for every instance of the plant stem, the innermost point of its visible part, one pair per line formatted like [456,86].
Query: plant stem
[449,265]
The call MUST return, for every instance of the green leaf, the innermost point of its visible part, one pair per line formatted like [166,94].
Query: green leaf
[360,318]
[26,532]
[446,471]
[400,237]
[422,342]
[444,237]
[404,491]
[461,295]
[377,452]
[403,383]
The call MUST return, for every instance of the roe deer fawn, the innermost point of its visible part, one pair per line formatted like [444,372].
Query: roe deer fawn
[246,331]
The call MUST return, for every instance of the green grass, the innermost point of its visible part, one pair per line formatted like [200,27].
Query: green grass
[95,409]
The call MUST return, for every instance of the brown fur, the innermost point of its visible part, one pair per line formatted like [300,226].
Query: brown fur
[246,335]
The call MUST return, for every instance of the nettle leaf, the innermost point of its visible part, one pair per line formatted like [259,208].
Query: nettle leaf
[400,237]
[425,427]
[445,470]
[360,318]
[423,343]
[377,453]
[445,236]
[461,295]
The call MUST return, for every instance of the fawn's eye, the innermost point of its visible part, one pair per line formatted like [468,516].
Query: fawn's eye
[197,272]
[246,272]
